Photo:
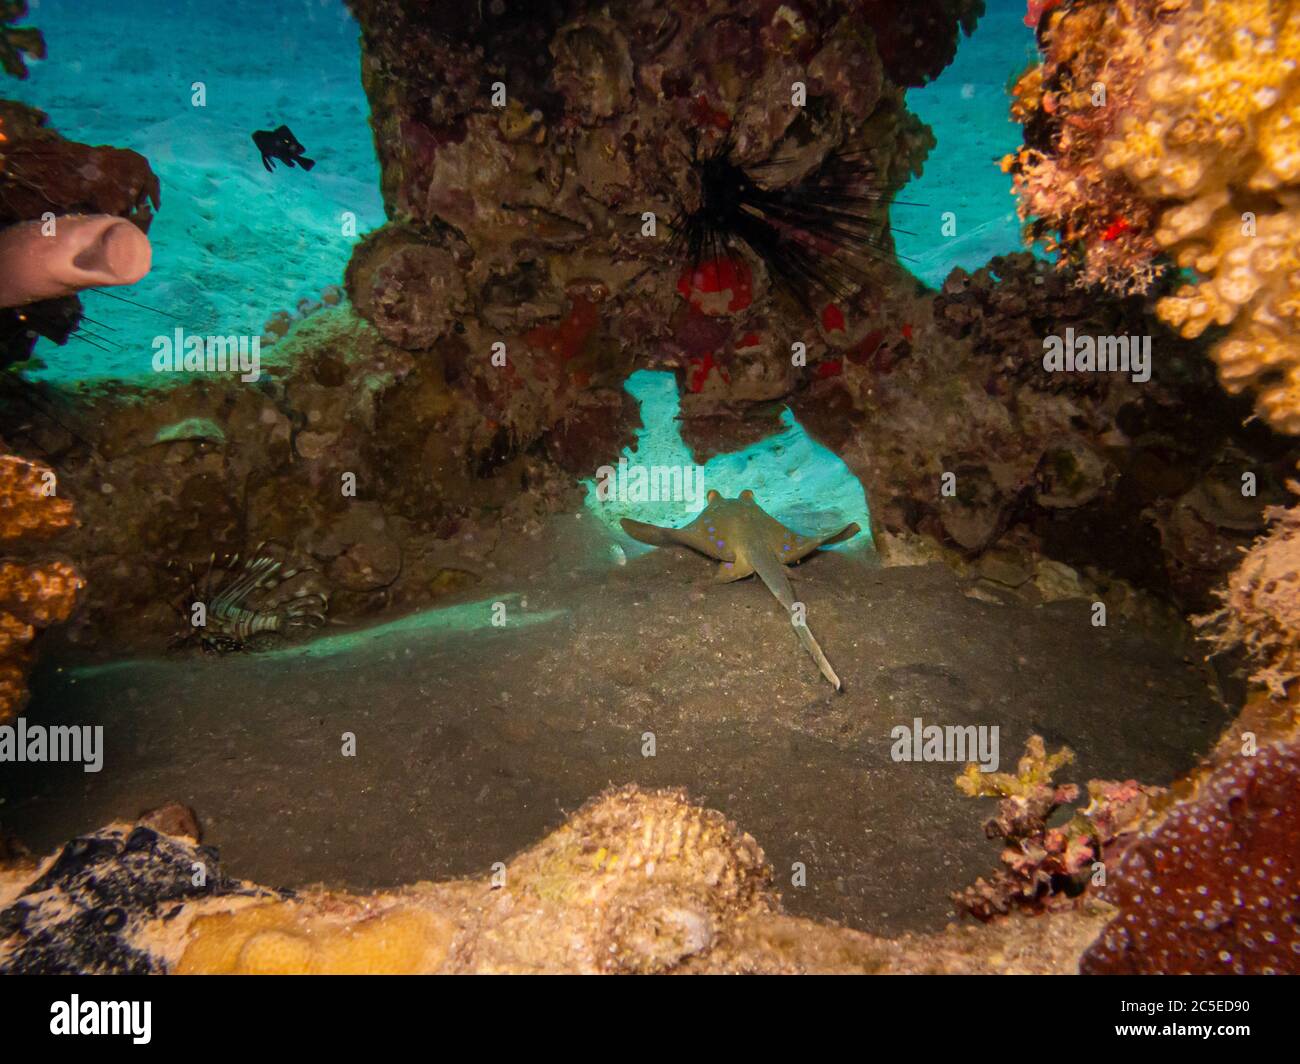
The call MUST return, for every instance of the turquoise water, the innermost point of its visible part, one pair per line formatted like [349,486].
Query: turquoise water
[234,244]
[967,107]
[794,478]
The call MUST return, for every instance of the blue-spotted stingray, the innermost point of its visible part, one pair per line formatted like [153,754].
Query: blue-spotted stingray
[747,540]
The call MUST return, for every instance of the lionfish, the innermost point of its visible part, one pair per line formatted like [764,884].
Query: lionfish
[244,604]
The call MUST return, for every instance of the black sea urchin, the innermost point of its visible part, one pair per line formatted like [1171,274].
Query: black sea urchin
[814,235]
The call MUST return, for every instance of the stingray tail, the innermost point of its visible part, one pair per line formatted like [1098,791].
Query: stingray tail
[811,645]
[772,573]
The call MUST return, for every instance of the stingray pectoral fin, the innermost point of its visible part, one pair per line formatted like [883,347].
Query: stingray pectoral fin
[693,536]
[652,534]
[847,532]
[802,550]
[729,571]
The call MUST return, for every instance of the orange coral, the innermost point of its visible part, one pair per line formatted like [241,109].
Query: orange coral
[1070,104]
[33,594]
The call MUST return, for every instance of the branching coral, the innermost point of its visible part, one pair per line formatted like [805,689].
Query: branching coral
[33,595]
[1170,130]
[1048,867]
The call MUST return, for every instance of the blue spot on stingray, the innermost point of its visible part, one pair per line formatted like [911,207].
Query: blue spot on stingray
[785,546]
[726,565]
[722,543]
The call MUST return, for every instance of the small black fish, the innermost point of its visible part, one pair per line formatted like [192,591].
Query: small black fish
[283,145]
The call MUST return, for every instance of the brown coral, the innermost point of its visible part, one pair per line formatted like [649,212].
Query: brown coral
[43,171]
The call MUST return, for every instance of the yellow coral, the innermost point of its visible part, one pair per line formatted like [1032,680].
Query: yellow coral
[1200,152]
[283,938]
[1216,127]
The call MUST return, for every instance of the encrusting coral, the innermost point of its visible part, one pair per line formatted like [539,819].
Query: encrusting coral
[1169,130]
[1214,889]
[34,593]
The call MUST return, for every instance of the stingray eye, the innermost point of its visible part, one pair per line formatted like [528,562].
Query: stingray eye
[746,494]
[713,496]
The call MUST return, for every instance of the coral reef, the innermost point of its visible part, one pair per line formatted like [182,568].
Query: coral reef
[34,592]
[356,457]
[1095,472]
[1164,131]
[530,210]
[634,881]
[1049,868]
[1098,473]
[1215,888]
[1094,54]
[1138,480]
